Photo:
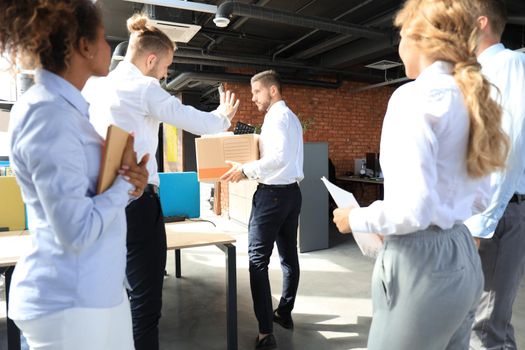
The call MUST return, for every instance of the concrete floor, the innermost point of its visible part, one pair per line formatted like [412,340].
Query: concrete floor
[333,308]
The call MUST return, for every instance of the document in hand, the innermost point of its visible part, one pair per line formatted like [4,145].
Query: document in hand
[112,152]
[369,243]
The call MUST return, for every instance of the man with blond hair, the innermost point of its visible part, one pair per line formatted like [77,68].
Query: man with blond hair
[132,98]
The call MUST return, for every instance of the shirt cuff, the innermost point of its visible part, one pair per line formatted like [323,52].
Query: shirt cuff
[481,226]
[357,220]
[248,169]
[226,123]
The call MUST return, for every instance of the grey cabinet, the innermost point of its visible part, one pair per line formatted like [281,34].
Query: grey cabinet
[313,222]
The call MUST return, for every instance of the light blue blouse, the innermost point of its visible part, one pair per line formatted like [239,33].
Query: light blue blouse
[78,253]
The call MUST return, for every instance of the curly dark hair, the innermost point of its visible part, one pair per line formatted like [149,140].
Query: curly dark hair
[44,32]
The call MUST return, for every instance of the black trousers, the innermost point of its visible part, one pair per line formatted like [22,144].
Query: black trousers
[146,261]
[274,219]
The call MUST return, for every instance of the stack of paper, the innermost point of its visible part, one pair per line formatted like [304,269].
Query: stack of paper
[369,243]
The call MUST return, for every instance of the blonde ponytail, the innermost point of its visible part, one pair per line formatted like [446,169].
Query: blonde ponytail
[447,30]
[488,145]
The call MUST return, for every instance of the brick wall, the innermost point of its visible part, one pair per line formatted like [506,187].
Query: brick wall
[349,122]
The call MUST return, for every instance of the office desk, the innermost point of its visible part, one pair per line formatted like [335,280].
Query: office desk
[177,239]
[15,243]
[354,180]
[375,181]
[12,245]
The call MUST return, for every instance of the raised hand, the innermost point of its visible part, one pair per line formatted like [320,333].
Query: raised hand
[229,104]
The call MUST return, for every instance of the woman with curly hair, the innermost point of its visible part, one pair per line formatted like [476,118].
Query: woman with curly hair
[68,291]
[427,278]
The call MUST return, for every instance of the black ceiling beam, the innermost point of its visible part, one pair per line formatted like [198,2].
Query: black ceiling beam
[229,9]
[330,44]
[358,52]
[186,78]
[323,46]
[520,20]
[239,35]
[295,42]
[268,64]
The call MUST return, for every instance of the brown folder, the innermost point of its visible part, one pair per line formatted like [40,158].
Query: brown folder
[112,153]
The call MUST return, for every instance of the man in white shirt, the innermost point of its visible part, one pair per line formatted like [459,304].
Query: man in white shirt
[132,98]
[502,255]
[276,205]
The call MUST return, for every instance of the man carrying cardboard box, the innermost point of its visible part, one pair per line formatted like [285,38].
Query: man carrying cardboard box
[276,205]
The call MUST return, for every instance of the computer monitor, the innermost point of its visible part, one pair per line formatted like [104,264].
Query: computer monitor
[372,163]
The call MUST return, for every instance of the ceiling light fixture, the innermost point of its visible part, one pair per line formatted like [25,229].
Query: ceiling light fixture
[221,22]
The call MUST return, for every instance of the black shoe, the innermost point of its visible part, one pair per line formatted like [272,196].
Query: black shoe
[265,343]
[284,321]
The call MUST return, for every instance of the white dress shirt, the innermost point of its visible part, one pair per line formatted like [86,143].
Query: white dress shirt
[135,102]
[78,251]
[506,70]
[280,147]
[423,158]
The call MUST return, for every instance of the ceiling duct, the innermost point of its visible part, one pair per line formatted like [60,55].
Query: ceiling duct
[228,9]
[186,79]
[176,24]
[180,4]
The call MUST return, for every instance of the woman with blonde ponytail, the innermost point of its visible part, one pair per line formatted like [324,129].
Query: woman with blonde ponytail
[68,291]
[441,137]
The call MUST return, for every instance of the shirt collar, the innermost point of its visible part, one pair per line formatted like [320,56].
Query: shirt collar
[129,68]
[64,88]
[276,104]
[490,52]
[438,67]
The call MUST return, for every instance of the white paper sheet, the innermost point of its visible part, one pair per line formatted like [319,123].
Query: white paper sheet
[369,243]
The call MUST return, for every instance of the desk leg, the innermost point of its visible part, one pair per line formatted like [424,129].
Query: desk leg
[13,333]
[177,263]
[231,295]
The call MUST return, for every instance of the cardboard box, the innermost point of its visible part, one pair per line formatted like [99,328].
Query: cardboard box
[214,151]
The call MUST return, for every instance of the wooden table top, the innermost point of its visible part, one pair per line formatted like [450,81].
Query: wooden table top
[179,238]
[13,244]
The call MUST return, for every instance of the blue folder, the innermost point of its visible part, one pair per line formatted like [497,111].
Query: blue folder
[180,194]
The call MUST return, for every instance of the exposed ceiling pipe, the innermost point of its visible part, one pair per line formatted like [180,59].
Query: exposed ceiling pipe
[236,25]
[188,78]
[178,4]
[187,56]
[359,52]
[228,9]
[316,30]
[374,86]
[335,42]
[238,35]
[516,20]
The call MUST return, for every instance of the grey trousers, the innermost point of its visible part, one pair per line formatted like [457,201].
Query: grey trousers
[425,289]
[503,262]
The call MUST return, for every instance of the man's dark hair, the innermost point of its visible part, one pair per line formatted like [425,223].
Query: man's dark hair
[496,12]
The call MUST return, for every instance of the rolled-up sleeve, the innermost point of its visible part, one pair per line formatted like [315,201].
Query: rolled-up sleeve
[169,109]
